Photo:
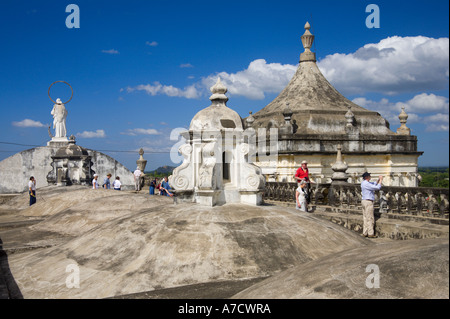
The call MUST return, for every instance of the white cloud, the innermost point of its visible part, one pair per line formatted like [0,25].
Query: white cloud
[437,122]
[90,134]
[141,131]
[186,65]
[112,51]
[28,123]
[254,82]
[189,92]
[418,109]
[394,65]
[426,103]
[152,44]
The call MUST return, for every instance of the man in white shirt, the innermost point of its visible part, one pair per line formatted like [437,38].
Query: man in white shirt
[137,179]
[32,190]
[368,196]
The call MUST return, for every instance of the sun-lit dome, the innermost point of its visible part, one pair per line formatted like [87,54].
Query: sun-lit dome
[217,116]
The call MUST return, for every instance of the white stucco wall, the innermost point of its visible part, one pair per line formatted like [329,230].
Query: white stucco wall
[15,171]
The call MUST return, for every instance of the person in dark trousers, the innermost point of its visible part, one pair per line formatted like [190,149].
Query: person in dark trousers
[32,190]
[153,185]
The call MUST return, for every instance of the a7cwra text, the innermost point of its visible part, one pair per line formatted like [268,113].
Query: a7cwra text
[231,308]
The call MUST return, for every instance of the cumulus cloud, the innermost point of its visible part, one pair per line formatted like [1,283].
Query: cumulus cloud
[394,65]
[112,51]
[418,109]
[257,80]
[189,92]
[186,65]
[28,123]
[90,134]
[437,122]
[141,131]
[152,44]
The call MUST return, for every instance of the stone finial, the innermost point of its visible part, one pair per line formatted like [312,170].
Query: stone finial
[250,120]
[350,117]
[307,40]
[287,113]
[403,129]
[72,139]
[141,162]
[218,91]
[287,127]
[339,168]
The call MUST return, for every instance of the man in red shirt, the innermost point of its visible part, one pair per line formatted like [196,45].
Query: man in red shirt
[303,175]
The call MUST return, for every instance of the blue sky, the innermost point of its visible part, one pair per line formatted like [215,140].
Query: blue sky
[139,69]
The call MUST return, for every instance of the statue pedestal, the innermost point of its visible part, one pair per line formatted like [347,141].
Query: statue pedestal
[58,142]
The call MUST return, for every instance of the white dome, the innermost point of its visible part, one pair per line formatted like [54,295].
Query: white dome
[217,116]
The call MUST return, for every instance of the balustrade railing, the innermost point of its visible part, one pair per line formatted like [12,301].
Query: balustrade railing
[418,201]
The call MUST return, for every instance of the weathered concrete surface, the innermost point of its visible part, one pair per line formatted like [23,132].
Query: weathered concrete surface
[408,269]
[127,243]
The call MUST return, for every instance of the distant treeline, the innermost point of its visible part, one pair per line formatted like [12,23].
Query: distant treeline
[434,177]
[161,172]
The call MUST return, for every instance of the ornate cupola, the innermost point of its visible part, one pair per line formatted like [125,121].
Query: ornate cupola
[217,167]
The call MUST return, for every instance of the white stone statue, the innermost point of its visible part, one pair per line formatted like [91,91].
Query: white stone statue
[59,113]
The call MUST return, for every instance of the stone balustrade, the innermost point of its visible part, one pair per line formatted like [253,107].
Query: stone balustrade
[418,201]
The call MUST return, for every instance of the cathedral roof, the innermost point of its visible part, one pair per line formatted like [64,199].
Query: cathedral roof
[316,106]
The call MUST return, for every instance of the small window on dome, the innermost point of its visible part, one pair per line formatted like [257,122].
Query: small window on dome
[228,123]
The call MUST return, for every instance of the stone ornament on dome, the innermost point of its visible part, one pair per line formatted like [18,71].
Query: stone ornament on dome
[403,129]
[218,91]
[250,120]
[350,117]
[307,40]
[339,168]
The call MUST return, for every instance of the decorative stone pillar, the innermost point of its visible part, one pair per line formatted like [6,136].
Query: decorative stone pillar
[287,127]
[403,129]
[141,162]
[339,169]
[350,126]
[350,118]
[307,40]
[249,122]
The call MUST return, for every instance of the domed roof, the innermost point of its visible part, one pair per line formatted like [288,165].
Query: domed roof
[217,116]
[71,150]
[314,101]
